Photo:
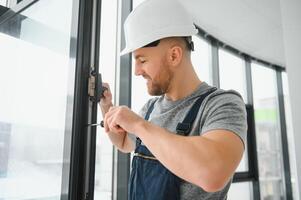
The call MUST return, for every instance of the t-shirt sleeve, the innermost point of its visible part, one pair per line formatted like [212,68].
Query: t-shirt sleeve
[226,111]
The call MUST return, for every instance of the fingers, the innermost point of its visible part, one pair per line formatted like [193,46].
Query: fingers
[106,98]
[107,94]
[106,87]
[110,124]
[106,126]
[107,120]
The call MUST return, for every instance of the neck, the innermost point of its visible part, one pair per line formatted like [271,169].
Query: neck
[184,83]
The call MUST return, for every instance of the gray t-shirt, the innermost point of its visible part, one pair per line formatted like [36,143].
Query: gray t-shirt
[220,110]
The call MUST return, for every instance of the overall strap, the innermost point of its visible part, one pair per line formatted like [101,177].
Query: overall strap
[149,111]
[185,127]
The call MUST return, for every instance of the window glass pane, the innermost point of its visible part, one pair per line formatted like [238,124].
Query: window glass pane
[232,76]
[290,136]
[268,134]
[36,101]
[200,58]
[136,3]
[107,67]
[239,191]
[139,91]
[232,73]
[3,3]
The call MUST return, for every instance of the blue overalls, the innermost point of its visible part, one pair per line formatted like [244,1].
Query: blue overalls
[149,179]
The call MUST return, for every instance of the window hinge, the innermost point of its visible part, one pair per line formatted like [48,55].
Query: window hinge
[86,196]
[92,85]
[95,88]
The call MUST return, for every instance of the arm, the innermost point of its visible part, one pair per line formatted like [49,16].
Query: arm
[208,161]
[118,137]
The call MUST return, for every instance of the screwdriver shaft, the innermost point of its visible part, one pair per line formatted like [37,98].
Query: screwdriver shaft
[101,124]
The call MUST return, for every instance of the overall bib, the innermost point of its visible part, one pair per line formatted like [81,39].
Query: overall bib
[149,179]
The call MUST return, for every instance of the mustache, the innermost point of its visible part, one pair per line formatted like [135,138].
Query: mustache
[146,76]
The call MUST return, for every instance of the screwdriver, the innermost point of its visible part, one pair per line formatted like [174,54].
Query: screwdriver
[102,96]
[101,124]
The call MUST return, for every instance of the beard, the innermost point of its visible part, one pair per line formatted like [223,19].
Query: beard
[161,83]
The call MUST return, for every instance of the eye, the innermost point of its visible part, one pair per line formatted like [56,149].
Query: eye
[142,61]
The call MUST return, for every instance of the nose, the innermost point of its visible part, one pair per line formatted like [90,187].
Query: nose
[138,70]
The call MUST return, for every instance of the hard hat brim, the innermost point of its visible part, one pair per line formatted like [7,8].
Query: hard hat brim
[127,50]
[138,45]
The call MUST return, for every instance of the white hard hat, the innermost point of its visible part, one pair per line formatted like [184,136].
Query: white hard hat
[156,19]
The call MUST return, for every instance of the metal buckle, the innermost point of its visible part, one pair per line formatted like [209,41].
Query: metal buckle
[144,156]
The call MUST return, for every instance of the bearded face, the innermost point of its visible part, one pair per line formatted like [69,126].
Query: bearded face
[160,83]
[157,64]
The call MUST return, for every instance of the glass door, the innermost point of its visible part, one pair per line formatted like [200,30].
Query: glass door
[38,81]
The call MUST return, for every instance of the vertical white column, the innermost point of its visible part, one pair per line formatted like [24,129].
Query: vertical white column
[291,25]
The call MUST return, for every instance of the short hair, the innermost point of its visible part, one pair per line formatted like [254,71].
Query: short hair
[188,42]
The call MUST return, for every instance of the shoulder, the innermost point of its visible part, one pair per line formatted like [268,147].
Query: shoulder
[225,110]
[224,107]
[222,97]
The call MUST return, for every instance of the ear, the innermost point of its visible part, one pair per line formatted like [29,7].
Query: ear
[175,55]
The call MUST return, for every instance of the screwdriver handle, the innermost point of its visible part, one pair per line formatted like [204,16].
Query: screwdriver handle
[102,124]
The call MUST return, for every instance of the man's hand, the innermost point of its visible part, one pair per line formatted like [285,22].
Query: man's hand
[106,101]
[121,118]
[118,136]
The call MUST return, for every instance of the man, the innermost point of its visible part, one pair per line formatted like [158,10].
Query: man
[189,140]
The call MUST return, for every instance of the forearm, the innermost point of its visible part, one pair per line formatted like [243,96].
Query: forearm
[116,139]
[105,108]
[122,142]
[128,145]
[194,159]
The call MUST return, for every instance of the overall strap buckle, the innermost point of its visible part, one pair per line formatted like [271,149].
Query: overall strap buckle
[145,156]
[185,127]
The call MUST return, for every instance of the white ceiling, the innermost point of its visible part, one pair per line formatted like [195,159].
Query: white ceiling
[251,26]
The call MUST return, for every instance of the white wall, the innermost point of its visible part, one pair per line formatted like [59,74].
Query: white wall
[291,24]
